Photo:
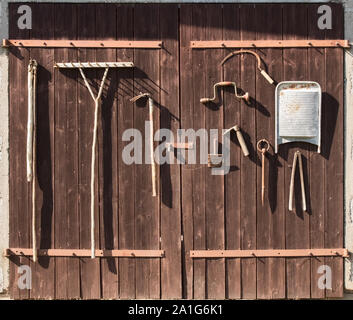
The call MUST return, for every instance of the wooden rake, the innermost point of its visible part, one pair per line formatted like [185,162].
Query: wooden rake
[106,66]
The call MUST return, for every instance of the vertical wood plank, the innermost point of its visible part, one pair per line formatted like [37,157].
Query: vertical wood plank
[199,171]
[316,161]
[248,187]
[20,213]
[147,208]
[186,117]
[126,109]
[66,157]
[170,173]
[43,272]
[231,71]
[270,216]
[107,152]
[214,184]
[297,222]
[89,268]
[333,146]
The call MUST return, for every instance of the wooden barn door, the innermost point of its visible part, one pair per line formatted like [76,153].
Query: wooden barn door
[126,214]
[224,213]
[194,210]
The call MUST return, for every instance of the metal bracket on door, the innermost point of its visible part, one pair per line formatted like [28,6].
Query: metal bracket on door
[271,253]
[85,253]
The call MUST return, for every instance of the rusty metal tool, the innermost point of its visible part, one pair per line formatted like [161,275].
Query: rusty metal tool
[225,84]
[153,163]
[297,157]
[215,159]
[240,137]
[263,146]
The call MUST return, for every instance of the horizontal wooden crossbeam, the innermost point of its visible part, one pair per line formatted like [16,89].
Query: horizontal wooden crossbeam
[81,43]
[269,253]
[85,253]
[270,44]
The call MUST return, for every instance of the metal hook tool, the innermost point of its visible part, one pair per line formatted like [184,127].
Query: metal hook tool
[297,155]
[263,146]
[225,84]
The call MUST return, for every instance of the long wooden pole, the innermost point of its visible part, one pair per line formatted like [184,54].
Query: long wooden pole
[31,145]
[34,163]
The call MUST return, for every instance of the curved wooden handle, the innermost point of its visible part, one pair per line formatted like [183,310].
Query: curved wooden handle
[242,142]
[225,83]
[267,77]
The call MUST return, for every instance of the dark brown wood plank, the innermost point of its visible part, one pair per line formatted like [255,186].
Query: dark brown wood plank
[199,171]
[107,152]
[214,184]
[20,212]
[171,271]
[186,118]
[297,222]
[90,268]
[67,280]
[126,109]
[147,208]
[43,272]
[316,161]
[270,216]
[333,146]
[231,71]
[248,187]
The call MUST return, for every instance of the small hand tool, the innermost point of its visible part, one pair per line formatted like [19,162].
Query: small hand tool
[153,163]
[225,84]
[240,137]
[297,156]
[215,159]
[263,146]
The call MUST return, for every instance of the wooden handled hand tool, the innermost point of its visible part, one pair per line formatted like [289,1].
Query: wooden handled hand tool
[225,84]
[215,158]
[263,146]
[31,145]
[153,164]
[262,71]
[297,156]
[240,137]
